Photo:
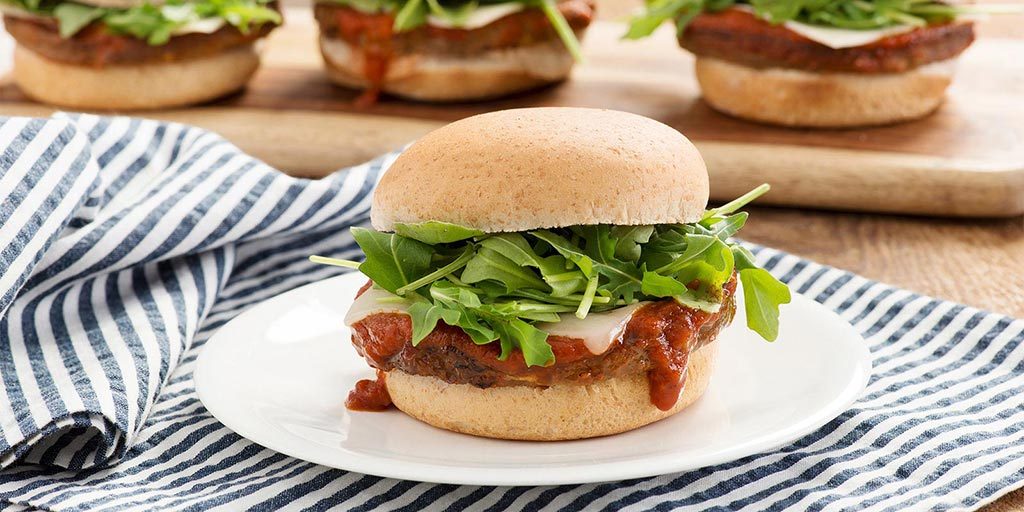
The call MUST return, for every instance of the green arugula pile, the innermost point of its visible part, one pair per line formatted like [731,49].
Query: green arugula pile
[154,24]
[410,14]
[847,14]
[496,287]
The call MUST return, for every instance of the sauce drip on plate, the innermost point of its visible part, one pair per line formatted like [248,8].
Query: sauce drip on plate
[370,394]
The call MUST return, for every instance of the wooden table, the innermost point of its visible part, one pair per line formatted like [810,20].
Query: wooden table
[975,262]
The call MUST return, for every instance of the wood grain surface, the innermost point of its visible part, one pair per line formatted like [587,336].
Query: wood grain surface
[971,261]
[966,160]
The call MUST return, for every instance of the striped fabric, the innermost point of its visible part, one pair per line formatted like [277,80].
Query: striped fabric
[125,244]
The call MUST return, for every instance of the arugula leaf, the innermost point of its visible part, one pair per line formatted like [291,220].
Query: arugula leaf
[425,316]
[434,232]
[153,23]
[392,261]
[622,278]
[726,227]
[553,269]
[464,301]
[762,296]
[696,247]
[846,14]
[489,264]
[659,12]
[411,15]
[364,6]
[657,285]
[714,269]
[743,257]
[144,22]
[629,240]
[457,15]
[74,17]
[567,250]
[527,338]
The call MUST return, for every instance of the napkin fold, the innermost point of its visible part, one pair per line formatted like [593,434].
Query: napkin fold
[118,237]
[126,243]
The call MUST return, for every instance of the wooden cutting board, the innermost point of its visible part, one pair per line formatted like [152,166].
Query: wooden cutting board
[966,160]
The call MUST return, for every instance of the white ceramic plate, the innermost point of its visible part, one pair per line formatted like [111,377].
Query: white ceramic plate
[279,373]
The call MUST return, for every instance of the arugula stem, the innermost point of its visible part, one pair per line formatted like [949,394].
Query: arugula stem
[588,298]
[569,300]
[459,262]
[539,308]
[562,28]
[737,203]
[334,261]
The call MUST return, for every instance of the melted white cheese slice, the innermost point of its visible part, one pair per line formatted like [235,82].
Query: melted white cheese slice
[481,16]
[838,38]
[373,301]
[203,26]
[597,331]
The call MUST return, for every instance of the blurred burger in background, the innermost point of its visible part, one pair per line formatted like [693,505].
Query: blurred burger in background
[441,50]
[818,63]
[128,54]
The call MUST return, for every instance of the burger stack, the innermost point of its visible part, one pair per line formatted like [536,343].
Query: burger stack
[831,64]
[135,54]
[423,50]
[549,288]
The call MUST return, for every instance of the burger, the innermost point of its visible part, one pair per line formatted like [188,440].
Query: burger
[549,274]
[127,54]
[443,51]
[835,63]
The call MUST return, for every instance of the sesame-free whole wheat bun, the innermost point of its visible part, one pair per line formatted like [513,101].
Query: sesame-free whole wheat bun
[516,170]
[792,97]
[142,86]
[557,413]
[445,78]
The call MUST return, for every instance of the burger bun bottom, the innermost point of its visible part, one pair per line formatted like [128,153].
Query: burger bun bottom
[559,412]
[437,78]
[798,98]
[133,87]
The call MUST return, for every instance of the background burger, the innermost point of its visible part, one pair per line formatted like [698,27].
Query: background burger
[128,54]
[437,50]
[819,63]
[549,274]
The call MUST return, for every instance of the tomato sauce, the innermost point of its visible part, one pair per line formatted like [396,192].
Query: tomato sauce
[372,33]
[740,36]
[370,394]
[657,342]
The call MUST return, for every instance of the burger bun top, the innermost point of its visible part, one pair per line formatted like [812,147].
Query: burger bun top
[535,168]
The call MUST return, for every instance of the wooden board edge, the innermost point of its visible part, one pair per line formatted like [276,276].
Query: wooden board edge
[856,180]
[865,180]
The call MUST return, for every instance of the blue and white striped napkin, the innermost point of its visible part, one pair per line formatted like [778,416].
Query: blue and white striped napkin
[125,244]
